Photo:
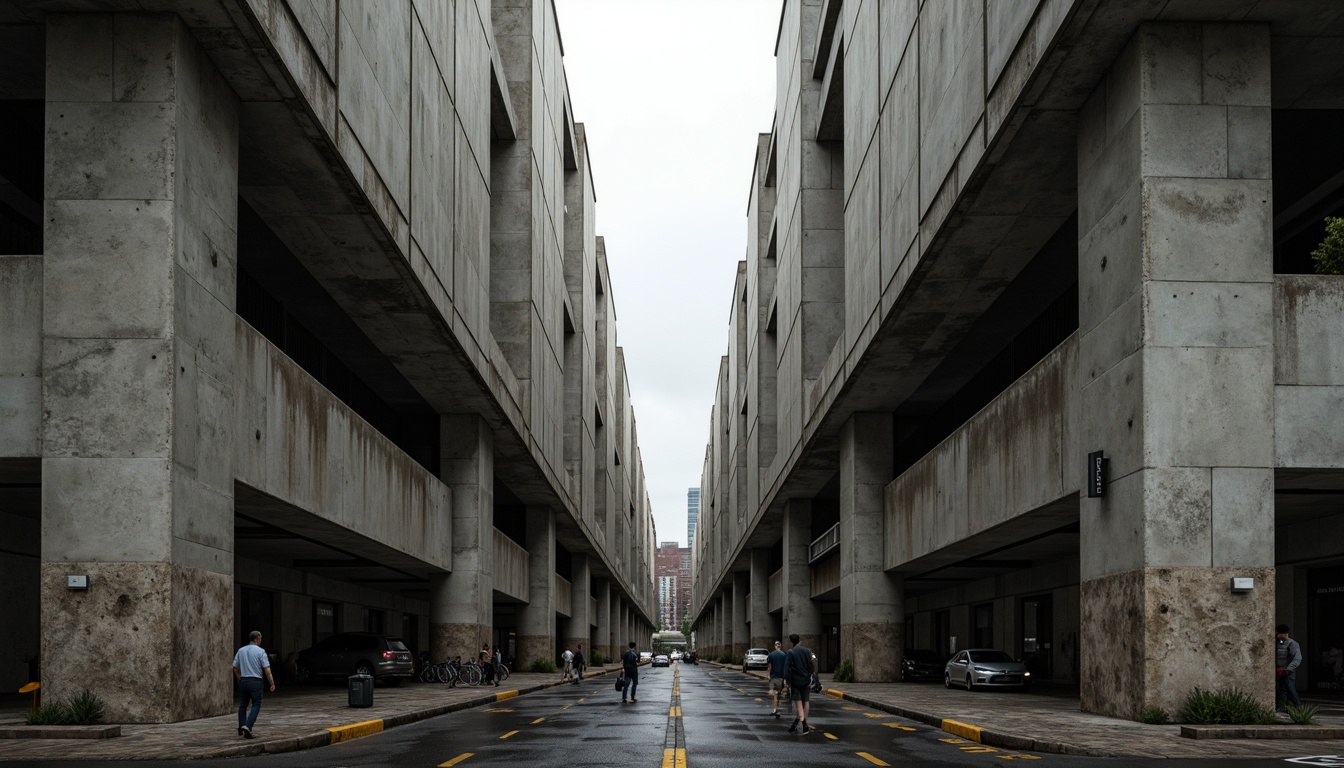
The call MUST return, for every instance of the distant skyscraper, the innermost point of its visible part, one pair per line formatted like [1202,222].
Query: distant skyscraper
[692,512]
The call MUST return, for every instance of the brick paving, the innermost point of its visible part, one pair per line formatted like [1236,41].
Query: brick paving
[291,718]
[297,718]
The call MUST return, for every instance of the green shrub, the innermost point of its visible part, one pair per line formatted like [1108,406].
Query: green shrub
[86,708]
[543,665]
[729,659]
[1329,255]
[1229,706]
[598,660]
[1154,716]
[1304,714]
[55,713]
[844,673]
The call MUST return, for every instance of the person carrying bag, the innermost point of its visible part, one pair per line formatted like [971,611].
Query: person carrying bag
[620,681]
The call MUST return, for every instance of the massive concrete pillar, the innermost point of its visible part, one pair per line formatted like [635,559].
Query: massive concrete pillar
[536,620]
[801,616]
[738,597]
[1175,290]
[602,621]
[138,355]
[578,625]
[622,626]
[762,623]
[872,614]
[461,603]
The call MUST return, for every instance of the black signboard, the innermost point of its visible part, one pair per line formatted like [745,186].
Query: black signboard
[1097,466]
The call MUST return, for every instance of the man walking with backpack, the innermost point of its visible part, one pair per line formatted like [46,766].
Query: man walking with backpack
[801,665]
[630,668]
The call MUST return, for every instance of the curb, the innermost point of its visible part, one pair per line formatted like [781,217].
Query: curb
[60,732]
[973,732]
[343,733]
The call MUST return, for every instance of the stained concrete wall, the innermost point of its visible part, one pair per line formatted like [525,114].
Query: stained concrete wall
[310,451]
[21,356]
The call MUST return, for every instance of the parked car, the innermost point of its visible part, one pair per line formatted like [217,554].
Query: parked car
[985,668]
[384,657]
[661,660]
[676,656]
[645,656]
[922,664]
[755,657]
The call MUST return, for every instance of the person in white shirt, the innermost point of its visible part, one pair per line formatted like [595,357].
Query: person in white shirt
[252,670]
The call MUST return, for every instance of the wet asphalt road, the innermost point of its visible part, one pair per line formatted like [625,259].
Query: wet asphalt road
[723,722]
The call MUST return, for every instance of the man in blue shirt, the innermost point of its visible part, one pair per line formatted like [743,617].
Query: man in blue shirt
[775,664]
[250,666]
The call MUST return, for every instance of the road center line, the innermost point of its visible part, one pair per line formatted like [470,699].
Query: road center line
[456,760]
[507,735]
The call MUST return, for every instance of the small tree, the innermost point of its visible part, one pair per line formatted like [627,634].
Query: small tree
[1329,255]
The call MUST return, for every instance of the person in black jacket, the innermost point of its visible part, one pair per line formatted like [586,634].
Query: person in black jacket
[630,666]
[800,666]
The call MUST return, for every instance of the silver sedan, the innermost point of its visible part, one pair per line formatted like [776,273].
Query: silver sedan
[985,668]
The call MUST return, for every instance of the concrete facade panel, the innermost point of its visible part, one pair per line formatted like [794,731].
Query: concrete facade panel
[1201,400]
[1306,433]
[1207,229]
[374,76]
[113,509]
[1190,314]
[1308,341]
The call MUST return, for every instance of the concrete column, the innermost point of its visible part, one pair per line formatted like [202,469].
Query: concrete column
[801,616]
[536,620]
[461,603]
[622,635]
[602,621]
[762,623]
[741,630]
[577,627]
[139,279]
[872,614]
[1176,368]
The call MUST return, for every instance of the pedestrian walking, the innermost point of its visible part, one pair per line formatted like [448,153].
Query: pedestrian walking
[630,668]
[775,666]
[487,664]
[252,671]
[801,666]
[580,662]
[567,665]
[497,663]
[1287,658]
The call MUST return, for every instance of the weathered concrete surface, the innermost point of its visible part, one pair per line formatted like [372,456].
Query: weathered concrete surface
[1155,620]
[138,291]
[872,612]
[536,619]
[152,627]
[461,604]
[21,356]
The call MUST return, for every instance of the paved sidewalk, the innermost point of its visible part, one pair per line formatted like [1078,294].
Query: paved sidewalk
[1048,721]
[295,717]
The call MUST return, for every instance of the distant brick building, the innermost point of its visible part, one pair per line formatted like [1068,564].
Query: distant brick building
[671,571]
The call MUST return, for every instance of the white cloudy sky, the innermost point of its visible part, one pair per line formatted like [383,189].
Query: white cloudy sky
[673,94]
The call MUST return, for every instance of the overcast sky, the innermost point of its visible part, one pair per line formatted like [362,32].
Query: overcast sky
[673,94]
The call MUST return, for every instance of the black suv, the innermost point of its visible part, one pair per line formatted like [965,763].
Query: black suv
[921,664]
[350,653]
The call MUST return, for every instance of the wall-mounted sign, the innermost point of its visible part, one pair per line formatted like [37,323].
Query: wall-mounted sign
[1097,469]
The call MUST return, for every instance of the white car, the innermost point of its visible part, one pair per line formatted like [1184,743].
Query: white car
[676,655]
[755,657]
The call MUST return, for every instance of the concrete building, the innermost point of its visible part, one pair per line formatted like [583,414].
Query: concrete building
[304,327]
[692,514]
[987,240]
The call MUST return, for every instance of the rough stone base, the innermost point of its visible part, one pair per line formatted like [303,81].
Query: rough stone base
[449,640]
[149,639]
[767,643]
[740,649]
[1149,637]
[875,649]
[534,647]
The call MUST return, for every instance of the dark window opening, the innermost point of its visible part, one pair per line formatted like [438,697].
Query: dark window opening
[1308,172]
[23,135]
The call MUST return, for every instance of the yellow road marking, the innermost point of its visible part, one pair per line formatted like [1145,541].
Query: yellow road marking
[538,720]
[876,714]
[565,707]
[502,695]
[871,759]
[499,710]
[674,758]
[853,709]
[830,736]
[507,735]
[456,760]
[1017,757]
[898,725]
[674,712]
[977,749]
[964,730]
[585,698]
[355,730]
[953,741]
